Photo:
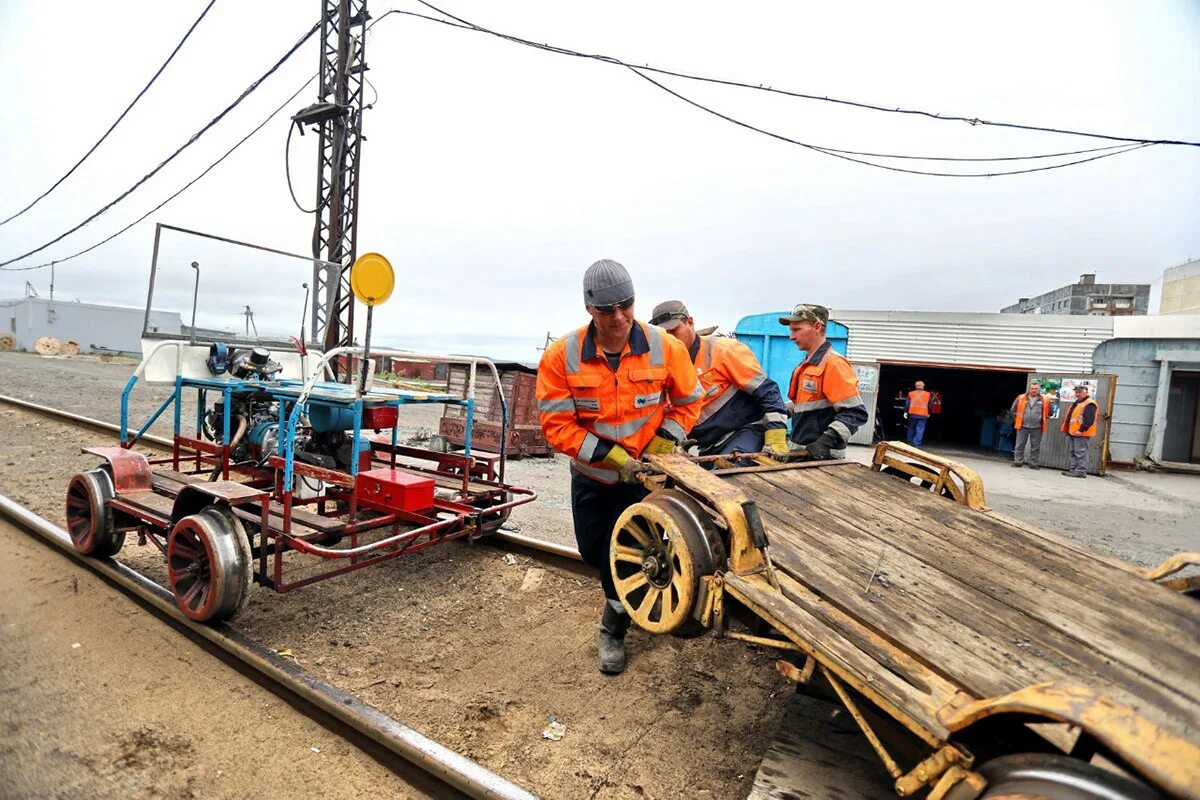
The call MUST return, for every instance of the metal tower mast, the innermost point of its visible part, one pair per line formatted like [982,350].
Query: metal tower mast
[337,115]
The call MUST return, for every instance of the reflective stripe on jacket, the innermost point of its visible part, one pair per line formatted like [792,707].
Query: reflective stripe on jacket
[737,392]
[1019,410]
[1081,419]
[824,395]
[585,407]
[918,403]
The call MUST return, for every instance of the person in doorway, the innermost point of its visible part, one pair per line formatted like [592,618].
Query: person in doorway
[824,401]
[1079,424]
[916,411]
[743,410]
[1030,411]
[608,394]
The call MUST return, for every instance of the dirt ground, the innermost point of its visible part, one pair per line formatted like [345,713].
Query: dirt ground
[452,641]
[74,651]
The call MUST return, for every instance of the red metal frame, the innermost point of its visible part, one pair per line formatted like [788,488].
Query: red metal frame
[261,491]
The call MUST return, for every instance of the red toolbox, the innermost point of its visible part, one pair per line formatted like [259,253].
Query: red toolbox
[387,489]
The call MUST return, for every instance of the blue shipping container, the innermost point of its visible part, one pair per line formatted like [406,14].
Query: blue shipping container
[769,342]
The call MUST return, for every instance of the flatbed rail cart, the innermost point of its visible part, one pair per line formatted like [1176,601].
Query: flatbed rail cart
[980,656]
[279,466]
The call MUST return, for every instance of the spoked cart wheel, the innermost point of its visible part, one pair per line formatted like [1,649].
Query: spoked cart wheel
[208,565]
[660,549]
[1054,777]
[89,520]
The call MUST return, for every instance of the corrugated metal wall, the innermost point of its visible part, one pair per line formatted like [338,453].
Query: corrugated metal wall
[1034,342]
[1132,361]
[92,326]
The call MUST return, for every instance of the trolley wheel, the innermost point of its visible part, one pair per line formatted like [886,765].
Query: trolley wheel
[208,565]
[1055,777]
[660,549]
[89,520]
[493,522]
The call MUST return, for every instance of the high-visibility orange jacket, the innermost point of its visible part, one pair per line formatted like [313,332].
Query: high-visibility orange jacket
[737,392]
[1081,419]
[824,395]
[1019,410]
[586,407]
[918,403]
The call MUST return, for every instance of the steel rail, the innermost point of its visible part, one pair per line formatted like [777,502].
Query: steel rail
[428,755]
[503,534]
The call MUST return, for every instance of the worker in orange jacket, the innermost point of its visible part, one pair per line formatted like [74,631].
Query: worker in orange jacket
[916,409]
[824,401]
[1079,424]
[608,394]
[1030,411]
[744,410]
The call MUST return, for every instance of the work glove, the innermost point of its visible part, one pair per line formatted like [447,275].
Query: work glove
[776,444]
[819,450]
[659,445]
[630,468]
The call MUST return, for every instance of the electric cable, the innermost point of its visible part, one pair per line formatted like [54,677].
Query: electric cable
[186,186]
[287,169]
[842,153]
[196,136]
[801,95]
[112,127]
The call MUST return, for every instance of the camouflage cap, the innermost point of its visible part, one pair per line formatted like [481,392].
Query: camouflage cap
[669,314]
[806,312]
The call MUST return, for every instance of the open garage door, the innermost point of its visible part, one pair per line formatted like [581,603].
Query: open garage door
[1060,389]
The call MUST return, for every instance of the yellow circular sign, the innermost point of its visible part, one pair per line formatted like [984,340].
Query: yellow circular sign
[372,279]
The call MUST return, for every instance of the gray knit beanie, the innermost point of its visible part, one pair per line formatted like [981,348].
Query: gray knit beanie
[606,282]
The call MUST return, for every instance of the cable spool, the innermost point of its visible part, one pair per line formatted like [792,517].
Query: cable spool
[69,348]
[47,346]
[8,342]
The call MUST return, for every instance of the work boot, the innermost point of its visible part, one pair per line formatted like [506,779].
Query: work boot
[1034,466]
[1017,464]
[614,625]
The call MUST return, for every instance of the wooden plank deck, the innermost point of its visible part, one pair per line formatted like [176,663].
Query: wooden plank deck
[987,605]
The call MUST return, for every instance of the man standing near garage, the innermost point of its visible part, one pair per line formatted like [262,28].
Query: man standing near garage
[743,408]
[916,408]
[608,394]
[825,405]
[1079,424]
[1030,411]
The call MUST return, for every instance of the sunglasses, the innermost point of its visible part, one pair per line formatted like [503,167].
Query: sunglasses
[661,318]
[611,308]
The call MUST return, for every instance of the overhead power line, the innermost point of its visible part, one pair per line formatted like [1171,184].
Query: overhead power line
[842,154]
[185,187]
[459,22]
[113,127]
[183,147]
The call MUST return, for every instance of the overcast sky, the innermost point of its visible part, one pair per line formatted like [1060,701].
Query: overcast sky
[494,174]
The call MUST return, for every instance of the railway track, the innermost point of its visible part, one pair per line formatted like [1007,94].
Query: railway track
[454,770]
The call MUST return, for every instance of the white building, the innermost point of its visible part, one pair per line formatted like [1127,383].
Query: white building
[94,327]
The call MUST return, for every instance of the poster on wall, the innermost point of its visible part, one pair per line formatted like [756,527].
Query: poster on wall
[1060,392]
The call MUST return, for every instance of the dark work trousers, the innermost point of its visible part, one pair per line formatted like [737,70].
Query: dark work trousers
[1078,455]
[745,440]
[595,507]
[916,429]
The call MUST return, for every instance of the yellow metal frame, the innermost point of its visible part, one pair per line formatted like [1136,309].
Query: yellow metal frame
[963,483]
[1165,759]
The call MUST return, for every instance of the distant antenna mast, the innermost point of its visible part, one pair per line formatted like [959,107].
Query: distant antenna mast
[249,315]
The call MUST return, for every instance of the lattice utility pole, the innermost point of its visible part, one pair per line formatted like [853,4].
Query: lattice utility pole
[337,115]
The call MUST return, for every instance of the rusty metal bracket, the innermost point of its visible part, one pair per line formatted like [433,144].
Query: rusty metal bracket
[796,674]
[963,483]
[748,545]
[931,769]
[958,784]
[1166,759]
[888,762]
